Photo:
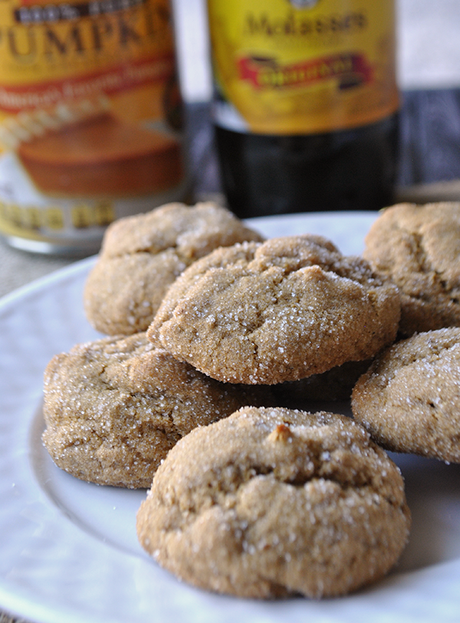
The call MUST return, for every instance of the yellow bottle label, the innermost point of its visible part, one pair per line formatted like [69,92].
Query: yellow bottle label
[302,66]
[90,124]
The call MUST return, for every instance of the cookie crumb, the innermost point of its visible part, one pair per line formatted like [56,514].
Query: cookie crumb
[281,433]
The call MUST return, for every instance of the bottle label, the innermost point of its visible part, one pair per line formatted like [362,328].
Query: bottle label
[302,66]
[90,123]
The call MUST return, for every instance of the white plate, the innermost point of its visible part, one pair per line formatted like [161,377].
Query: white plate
[68,549]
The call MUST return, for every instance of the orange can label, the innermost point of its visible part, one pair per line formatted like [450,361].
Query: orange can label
[302,66]
[90,113]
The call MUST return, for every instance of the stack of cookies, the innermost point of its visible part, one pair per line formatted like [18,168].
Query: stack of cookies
[213,339]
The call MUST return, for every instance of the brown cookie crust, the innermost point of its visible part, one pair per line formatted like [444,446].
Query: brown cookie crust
[273,502]
[418,246]
[278,311]
[409,399]
[142,255]
[114,407]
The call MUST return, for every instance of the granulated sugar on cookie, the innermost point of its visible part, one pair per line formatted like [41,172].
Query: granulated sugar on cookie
[409,399]
[142,255]
[114,407]
[274,502]
[282,310]
[418,246]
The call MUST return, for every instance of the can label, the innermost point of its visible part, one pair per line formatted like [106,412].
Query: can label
[302,66]
[90,115]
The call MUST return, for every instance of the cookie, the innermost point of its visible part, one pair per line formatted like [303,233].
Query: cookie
[114,407]
[282,310]
[142,255]
[332,386]
[274,502]
[418,246]
[409,399]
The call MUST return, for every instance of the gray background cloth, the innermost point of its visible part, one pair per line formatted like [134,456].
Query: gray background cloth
[19,268]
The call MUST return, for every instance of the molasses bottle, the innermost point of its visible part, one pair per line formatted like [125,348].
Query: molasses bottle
[306,104]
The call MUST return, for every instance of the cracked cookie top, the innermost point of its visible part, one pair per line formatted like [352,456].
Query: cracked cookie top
[114,407]
[282,310]
[142,255]
[272,502]
[418,246]
[409,399]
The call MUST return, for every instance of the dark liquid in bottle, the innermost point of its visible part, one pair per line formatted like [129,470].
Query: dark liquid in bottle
[347,170]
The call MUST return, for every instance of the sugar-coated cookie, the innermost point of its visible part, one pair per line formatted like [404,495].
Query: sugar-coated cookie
[114,407]
[272,502]
[418,246]
[282,310]
[409,399]
[142,255]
